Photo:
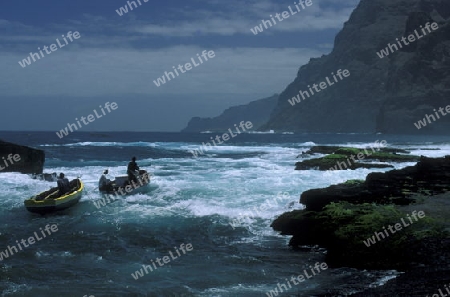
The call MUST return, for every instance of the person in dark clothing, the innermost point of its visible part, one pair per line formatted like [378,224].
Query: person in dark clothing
[63,185]
[133,170]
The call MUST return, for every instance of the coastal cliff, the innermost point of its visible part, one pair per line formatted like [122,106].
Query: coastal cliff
[257,112]
[386,94]
[391,85]
[29,160]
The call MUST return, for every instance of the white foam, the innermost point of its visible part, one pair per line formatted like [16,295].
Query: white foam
[89,143]
[230,188]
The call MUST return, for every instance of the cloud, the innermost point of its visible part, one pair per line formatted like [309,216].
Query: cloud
[119,57]
[218,22]
[123,55]
[92,72]
[211,18]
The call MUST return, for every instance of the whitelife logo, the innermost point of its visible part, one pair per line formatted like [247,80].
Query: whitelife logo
[90,118]
[441,294]
[188,66]
[398,227]
[411,38]
[423,123]
[27,61]
[264,206]
[281,17]
[11,159]
[323,85]
[318,268]
[11,250]
[360,155]
[129,188]
[183,247]
[202,149]
[124,10]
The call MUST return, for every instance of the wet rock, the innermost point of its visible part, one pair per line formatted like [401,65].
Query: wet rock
[30,160]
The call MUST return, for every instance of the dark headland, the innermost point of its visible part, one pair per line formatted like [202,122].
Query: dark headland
[386,95]
[22,159]
[257,112]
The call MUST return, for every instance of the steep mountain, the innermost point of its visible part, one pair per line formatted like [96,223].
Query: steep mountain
[257,112]
[386,94]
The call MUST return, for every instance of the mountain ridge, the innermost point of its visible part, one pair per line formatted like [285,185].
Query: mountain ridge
[257,112]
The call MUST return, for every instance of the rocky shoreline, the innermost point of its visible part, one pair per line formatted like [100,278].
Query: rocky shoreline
[343,158]
[28,160]
[393,220]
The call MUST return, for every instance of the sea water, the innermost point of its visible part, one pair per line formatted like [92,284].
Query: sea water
[195,201]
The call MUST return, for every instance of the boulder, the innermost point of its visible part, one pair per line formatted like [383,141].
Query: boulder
[341,218]
[31,160]
[428,177]
[343,158]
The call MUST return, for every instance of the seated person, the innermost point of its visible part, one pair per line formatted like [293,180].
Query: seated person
[133,170]
[63,185]
[105,184]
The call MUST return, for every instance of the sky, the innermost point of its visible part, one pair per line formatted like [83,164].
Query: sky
[117,58]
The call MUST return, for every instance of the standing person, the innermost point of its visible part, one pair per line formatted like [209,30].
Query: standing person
[133,170]
[63,185]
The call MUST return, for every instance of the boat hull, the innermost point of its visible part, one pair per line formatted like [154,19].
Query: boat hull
[45,203]
[123,188]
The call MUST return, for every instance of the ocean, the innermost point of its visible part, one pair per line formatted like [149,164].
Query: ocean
[201,217]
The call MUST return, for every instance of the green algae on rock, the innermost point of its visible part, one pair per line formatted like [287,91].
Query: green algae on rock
[342,217]
[343,228]
[340,158]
